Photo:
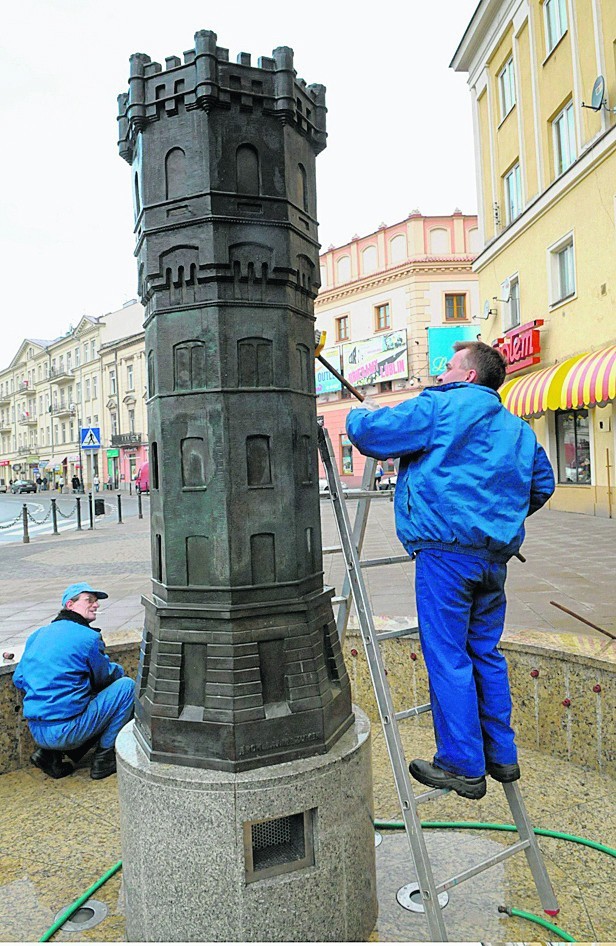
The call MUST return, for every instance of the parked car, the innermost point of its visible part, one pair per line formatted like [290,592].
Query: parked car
[23,486]
[389,481]
[3,487]
[142,481]
[324,487]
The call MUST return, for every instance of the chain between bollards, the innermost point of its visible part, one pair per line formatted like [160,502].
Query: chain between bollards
[91,510]
[54,516]
[78,502]
[119,509]
[25,518]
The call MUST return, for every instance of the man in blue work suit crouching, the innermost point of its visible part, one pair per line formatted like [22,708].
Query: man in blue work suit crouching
[470,473]
[74,696]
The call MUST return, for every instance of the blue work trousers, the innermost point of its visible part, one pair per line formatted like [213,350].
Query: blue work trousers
[461,611]
[104,716]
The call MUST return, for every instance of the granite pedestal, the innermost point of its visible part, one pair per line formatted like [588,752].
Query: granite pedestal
[282,852]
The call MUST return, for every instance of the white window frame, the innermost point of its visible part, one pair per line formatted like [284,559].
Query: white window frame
[557,292]
[556,24]
[511,312]
[513,193]
[506,84]
[565,146]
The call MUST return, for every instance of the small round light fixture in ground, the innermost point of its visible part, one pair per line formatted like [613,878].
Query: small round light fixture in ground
[378,837]
[89,915]
[409,897]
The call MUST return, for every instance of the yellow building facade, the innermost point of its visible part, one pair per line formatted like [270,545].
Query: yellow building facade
[542,75]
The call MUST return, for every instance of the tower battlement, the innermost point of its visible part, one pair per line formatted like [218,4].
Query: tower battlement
[206,79]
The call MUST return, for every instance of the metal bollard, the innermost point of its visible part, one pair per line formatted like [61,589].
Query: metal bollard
[78,501]
[25,519]
[119,509]
[54,516]
[91,510]
[139,504]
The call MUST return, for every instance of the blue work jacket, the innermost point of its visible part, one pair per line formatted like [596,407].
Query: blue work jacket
[470,471]
[63,666]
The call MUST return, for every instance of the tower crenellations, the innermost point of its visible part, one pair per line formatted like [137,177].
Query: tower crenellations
[206,79]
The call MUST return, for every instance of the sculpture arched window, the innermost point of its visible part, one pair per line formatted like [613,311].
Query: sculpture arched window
[302,186]
[137,198]
[175,174]
[255,363]
[194,462]
[189,366]
[247,177]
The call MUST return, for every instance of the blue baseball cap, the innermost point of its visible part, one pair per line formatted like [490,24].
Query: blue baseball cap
[74,590]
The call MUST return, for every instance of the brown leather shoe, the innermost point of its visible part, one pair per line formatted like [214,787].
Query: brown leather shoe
[50,762]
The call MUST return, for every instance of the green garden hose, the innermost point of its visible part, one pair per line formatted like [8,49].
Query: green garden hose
[67,914]
[391,826]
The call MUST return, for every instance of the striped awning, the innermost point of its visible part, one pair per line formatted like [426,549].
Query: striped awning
[540,391]
[591,380]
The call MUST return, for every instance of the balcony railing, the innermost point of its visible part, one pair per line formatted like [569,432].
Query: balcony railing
[125,440]
[59,375]
[31,449]
[27,419]
[62,409]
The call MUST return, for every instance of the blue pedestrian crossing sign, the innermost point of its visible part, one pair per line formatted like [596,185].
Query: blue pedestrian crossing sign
[90,438]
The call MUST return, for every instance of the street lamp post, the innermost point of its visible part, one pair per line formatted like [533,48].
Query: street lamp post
[75,411]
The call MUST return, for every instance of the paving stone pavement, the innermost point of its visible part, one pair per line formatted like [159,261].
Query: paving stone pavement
[571,559]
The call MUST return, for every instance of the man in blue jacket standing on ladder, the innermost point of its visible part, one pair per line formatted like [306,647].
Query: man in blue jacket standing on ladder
[470,473]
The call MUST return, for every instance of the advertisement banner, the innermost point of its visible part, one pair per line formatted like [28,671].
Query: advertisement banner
[380,358]
[324,380]
[441,341]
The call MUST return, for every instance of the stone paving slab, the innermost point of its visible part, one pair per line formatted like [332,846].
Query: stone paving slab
[570,559]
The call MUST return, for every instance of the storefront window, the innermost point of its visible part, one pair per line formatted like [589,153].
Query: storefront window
[573,441]
[346,455]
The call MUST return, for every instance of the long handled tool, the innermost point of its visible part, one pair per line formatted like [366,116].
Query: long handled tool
[319,344]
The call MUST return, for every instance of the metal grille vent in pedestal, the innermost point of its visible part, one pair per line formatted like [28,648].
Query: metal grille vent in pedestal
[278,845]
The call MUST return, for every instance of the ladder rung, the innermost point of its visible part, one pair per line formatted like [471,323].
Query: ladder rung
[428,796]
[331,549]
[415,711]
[392,560]
[400,632]
[483,865]
[338,599]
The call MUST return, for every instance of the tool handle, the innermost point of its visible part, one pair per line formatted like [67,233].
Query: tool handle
[342,379]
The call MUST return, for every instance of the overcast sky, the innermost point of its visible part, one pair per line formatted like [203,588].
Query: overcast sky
[399,130]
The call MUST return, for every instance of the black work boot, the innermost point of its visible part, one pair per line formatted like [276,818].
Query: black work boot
[50,762]
[103,763]
[503,772]
[75,755]
[429,774]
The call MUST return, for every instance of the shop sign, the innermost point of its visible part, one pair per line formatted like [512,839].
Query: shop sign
[376,359]
[521,346]
[441,339]
[325,381]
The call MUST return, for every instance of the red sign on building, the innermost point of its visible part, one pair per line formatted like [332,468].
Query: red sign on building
[521,346]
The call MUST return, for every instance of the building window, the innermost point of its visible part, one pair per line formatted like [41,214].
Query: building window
[77,360]
[513,193]
[573,444]
[343,269]
[562,270]
[114,425]
[346,455]
[511,316]
[112,381]
[564,139]
[382,317]
[455,307]
[94,386]
[131,421]
[87,389]
[130,378]
[555,21]
[342,329]
[369,259]
[506,82]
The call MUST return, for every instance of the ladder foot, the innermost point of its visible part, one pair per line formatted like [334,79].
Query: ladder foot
[552,912]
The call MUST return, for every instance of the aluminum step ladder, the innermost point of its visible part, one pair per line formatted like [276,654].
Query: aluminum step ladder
[429,889]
